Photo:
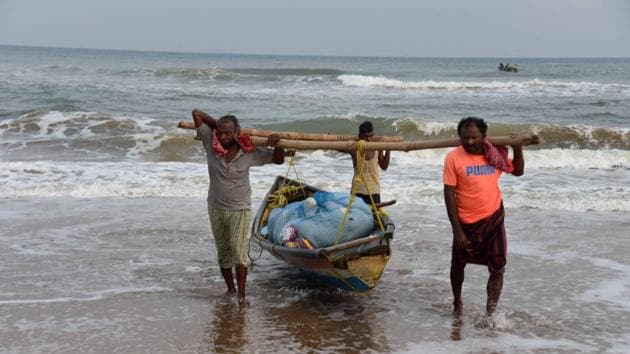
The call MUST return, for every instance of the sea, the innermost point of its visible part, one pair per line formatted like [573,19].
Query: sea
[104,235]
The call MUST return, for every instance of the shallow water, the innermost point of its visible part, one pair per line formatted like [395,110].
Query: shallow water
[104,235]
[140,275]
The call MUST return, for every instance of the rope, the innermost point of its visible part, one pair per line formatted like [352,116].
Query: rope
[249,253]
[361,167]
[359,178]
[279,198]
[287,192]
[292,167]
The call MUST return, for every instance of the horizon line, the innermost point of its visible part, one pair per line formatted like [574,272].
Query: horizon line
[305,55]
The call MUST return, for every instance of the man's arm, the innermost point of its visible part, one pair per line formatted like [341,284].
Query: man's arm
[450,198]
[200,117]
[518,161]
[353,154]
[383,159]
[278,153]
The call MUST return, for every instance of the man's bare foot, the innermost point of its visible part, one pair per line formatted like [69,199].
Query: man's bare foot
[242,301]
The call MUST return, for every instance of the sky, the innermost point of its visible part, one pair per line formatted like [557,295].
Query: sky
[407,28]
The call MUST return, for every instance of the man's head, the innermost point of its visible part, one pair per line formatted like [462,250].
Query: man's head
[228,130]
[366,131]
[471,133]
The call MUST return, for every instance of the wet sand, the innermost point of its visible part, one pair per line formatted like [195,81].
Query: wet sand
[140,275]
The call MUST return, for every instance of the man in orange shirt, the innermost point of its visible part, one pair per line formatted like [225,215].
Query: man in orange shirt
[475,207]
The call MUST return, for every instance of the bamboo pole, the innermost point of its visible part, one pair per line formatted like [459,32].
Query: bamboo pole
[393,146]
[188,124]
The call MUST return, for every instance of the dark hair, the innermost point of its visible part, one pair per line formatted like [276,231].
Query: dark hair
[478,122]
[230,118]
[365,127]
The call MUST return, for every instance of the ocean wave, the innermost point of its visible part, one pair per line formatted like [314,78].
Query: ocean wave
[289,71]
[552,135]
[183,73]
[534,85]
[417,184]
[226,74]
[345,124]
[63,68]
[545,159]
[582,137]
[93,136]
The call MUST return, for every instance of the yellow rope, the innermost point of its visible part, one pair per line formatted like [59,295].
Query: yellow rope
[359,178]
[286,193]
[377,212]
[292,167]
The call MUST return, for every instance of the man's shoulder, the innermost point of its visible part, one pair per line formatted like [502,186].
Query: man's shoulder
[455,153]
[204,128]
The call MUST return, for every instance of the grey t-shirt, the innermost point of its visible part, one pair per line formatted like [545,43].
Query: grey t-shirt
[229,182]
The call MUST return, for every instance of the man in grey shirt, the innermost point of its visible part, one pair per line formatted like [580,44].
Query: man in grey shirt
[230,156]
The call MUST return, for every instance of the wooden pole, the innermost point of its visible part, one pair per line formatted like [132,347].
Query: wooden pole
[393,146]
[188,124]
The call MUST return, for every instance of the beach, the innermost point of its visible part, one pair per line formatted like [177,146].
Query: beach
[104,235]
[140,275]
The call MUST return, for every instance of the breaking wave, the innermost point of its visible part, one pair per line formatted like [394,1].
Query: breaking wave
[535,85]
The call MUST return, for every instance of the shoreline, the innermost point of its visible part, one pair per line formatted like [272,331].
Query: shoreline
[140,275]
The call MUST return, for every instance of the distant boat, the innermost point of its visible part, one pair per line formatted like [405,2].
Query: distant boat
[508,67]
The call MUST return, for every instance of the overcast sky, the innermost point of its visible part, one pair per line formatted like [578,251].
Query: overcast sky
[443,28]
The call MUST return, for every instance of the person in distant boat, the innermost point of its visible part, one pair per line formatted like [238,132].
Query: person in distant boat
[475,207]
[229,156]
[374,160]
[501,66]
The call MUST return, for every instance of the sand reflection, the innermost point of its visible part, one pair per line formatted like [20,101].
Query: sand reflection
[227,328]
[343,323]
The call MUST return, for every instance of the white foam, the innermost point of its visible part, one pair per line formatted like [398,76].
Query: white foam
[54,127]
[532,86]
[534,159]
[620,345]
[499,342]
[92,296]
[102,179]
[577,159]
[415,181]
[616,290]
[428,128]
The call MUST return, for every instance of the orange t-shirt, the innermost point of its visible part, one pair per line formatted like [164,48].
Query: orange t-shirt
[476,184]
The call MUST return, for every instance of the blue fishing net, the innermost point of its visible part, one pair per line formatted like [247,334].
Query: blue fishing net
[318,219]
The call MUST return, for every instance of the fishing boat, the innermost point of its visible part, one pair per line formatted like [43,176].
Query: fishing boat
[509,67]
[356,265]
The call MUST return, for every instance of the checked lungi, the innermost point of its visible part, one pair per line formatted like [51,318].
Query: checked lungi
[488,243]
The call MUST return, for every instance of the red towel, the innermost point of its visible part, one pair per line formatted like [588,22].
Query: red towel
[497,156]
[244,141]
